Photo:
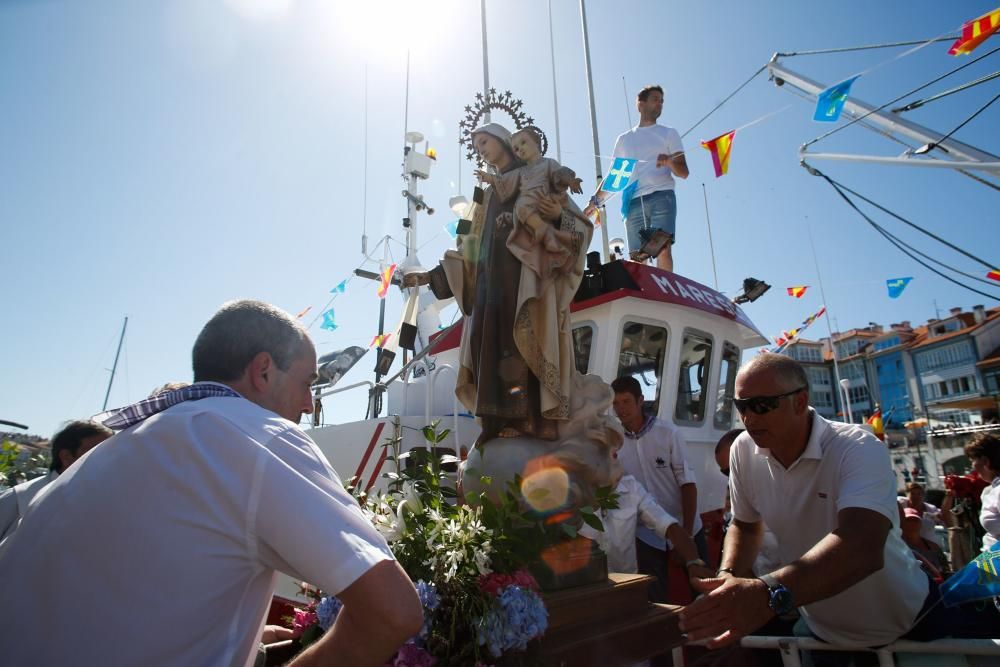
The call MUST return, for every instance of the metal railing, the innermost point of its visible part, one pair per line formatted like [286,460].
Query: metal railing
[791,648]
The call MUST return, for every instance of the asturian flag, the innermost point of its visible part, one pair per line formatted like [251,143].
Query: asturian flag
[975,32]
[619,174]
[720,148]
[328,322]
[896,286]
[830,102]
[977,580]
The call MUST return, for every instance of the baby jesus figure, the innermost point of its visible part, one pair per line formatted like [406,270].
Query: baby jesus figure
[539,177]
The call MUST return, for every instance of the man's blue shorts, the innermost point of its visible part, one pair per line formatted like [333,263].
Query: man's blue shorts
[657,210]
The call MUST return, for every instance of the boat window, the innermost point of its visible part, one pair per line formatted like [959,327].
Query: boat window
[583,338]
[644,347]
[727,386]
[420,456]
[696,357]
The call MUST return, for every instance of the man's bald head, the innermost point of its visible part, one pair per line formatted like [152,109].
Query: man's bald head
[788,373]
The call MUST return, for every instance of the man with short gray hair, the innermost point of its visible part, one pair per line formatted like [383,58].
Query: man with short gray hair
[161,547]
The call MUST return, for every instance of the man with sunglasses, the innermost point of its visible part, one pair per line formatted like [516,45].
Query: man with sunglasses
[827,491]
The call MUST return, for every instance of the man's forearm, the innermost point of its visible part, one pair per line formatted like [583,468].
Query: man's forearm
[839,560]
[351,641]
[689,506]
[743,541]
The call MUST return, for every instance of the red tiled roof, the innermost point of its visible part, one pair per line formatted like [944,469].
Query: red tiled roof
[993,313]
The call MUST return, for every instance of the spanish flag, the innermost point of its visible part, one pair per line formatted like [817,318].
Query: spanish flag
[975,32]
[720,148]
[875,421]
[994,275]
[380,340]
[797,292]
[383,288]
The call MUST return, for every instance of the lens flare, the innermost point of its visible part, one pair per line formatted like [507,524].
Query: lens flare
[546,489]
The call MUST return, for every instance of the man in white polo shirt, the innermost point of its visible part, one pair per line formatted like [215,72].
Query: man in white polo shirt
[827,491]
[160,547]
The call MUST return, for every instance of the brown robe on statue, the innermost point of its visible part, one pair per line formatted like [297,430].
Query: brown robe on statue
[517,350]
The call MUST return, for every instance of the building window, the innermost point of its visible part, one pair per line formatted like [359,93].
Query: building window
[727,386]
[692,381]
[643,349]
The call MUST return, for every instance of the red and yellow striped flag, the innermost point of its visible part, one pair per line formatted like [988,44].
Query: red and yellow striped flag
[380,340]
[994,275]
[975,32]
[797,292]
[383,288]
[720,148]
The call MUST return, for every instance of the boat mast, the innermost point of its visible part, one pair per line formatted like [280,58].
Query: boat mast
[959,155]
[593,124]
[486,58]
[114,367]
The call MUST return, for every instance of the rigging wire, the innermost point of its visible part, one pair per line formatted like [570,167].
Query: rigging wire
[904,95]
[920,229]
[815,172]
[844,49]
[957,89]
[729,97]
[964,122]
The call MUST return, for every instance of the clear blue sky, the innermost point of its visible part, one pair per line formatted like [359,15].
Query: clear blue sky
[160,158]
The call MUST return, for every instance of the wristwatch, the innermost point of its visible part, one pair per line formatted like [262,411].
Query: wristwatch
[779,598]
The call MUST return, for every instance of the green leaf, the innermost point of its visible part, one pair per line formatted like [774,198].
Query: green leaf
[428,432]
[568,529]
[592,521]
[448,492]
[442,435]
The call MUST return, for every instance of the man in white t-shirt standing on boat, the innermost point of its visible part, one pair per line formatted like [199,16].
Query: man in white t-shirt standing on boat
[652,204]
[160,547]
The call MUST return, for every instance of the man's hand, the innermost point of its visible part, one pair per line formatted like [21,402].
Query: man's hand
[730,609]
[697,573]
[663,160]
[276,633]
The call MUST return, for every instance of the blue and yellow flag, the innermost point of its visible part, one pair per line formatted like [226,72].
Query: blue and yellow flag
[896,286]
[830,102]
[977,580]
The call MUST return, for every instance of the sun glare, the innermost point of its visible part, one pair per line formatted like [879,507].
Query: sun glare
[387,29]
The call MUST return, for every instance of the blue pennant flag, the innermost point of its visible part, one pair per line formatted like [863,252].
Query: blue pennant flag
[896,286]
[977,580]
[328,321]
[452,228]
[830,102]
[619,174]
[627,197]
[339,289]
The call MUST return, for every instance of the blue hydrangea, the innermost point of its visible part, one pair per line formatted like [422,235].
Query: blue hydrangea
[429,600]
[518,616]
[326,612]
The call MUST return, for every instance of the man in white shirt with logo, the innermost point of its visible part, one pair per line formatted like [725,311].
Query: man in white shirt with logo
[161,546]
[652,203]
[654,452]
[827,491]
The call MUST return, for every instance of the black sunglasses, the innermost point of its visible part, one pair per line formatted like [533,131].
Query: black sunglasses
[761,405]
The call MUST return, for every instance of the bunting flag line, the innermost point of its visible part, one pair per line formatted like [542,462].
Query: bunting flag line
[975,32]
[328,322]
[896,286]
[380,340]
[797,292]
[720,148]
[977,580]
[619,174]
[830,102]
[452,228]
[994,275]
[383,288]
[303,313]
[341,286]
[787,337]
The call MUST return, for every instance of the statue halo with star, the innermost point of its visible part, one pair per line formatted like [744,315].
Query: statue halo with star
[494,101]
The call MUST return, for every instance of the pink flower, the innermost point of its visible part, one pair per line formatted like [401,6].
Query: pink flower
[496,582]
[304,618]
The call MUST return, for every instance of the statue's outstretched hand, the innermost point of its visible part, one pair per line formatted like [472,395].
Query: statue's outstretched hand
[416,279]
[485,177]
[576,186]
